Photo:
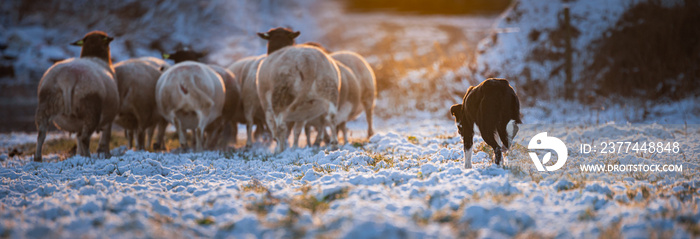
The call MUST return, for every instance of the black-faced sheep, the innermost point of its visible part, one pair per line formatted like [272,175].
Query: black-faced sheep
[494,107]
[296,84]
[190,95]
[218,132]
[138,114]
[80,95]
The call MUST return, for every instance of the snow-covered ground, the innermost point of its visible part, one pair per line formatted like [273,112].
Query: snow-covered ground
[407,181]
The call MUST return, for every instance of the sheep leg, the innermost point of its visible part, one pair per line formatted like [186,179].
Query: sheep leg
[270,121]
[369,108]
[42,119]
[327,121]
[220,136]
[141,138]
[342,127]
[327,137]
[298,127]
[213,133]
[281,135]
[225,135]
[91,110]
[249,128]
[330,119]
[231,131]
[198,138]
[320,134]
[103,146]
[181,135]
[83,142]
[307,131]
[41,136]
[249,134]
[160,138]
[129,135]
[149,135]
[201,127]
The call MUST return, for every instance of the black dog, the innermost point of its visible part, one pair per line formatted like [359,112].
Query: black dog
[494,107]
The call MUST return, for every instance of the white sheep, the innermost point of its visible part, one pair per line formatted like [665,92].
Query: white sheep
[296,84]
[362,74]
[190,95]
[231,114]
[220,130]
[160,138]
[158,63]
[246,70]
[138,114]
[368,84]
[349,106]
[79,95]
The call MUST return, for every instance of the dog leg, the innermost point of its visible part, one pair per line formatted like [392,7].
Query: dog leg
[467,156]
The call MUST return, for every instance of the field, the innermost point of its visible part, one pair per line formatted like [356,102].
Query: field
[408,180]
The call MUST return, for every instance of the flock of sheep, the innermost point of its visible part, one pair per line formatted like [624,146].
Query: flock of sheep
[295,86]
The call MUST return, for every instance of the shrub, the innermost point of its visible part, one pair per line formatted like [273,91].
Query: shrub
[653,51]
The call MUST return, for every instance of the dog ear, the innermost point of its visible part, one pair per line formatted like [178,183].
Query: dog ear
[456,111]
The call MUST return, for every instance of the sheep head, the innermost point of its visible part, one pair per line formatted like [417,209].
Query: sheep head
[278,38]
[184,54]
[95,44]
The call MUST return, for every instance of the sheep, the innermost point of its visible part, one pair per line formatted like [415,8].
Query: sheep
[190,95]
[494,107]
[80,95]
[296,84]
[363,75]
[162,124]
[348,106]
[159,64]
[246,70]
[136,81]
[368,85]
[232,112]
[233,107]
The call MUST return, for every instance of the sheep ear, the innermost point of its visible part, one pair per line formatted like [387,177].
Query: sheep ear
[295,34]
[264,35]
[78,43]
[165,56]
[108,39]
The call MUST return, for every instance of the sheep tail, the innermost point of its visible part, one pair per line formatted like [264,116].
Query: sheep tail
[199,95]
